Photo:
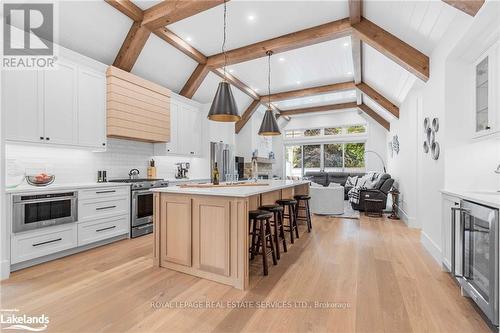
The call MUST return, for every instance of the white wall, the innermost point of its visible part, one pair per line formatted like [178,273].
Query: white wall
[463,163]
[377,135]
[248,140]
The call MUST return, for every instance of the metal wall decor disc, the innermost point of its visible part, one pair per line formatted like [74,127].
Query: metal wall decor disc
[435,124]
[426,147]
[435,150]
[427,123]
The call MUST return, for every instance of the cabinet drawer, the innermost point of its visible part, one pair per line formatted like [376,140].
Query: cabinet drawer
[93,231]
[103,192]
[30,245]
[104,207]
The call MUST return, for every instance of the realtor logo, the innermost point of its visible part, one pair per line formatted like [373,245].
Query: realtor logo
[37,23]
[28,36]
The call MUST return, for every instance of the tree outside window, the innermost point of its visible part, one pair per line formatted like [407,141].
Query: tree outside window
[312,132]
[333,157]
[354,155]
[356,129]
[333,131]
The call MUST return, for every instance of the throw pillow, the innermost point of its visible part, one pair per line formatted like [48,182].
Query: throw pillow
[351,181]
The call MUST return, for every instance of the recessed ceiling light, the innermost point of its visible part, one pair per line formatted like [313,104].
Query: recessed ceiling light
[255,89]
[282,59]
[349,73]
[188,39]
[251,17]
[231,71]
[346,44]
[298,82]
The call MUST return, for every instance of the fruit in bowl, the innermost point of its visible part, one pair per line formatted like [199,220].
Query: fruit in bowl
[41,179]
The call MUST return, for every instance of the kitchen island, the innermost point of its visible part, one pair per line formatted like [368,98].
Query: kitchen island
[204,231]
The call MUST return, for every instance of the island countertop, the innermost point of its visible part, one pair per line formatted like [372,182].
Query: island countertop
[237,192]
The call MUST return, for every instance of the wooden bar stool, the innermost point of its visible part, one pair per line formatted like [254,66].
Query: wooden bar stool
[289,205]
[305,207]
[277,223]
[261,236]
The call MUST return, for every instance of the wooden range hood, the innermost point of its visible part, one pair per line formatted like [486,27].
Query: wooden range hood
[137,109]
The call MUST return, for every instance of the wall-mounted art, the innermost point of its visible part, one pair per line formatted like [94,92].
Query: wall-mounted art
[430,143]
[395,144]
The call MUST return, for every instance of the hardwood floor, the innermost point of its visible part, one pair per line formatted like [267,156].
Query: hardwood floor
[374,272]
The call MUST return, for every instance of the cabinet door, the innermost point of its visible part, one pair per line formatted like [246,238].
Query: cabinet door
[447,205]
[184,130]
[21,99]
[172,145]
[60,104]
[211,234]
[91,108]
[175,230]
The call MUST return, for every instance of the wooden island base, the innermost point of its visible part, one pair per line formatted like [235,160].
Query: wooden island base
[207,235]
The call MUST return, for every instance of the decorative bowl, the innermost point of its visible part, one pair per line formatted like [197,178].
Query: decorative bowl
[41,179]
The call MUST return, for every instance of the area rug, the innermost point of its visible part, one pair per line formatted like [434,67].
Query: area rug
[349,213]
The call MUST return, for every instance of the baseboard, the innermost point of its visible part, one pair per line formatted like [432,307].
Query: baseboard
[411,222]
[4,270]
[431,247]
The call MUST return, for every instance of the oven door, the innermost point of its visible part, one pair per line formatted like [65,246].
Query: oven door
[480,257]
[142,207]
[36,211]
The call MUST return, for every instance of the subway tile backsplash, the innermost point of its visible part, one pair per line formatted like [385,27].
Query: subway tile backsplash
[75,166]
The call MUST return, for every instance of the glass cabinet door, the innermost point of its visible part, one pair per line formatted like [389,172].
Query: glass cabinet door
[482,95]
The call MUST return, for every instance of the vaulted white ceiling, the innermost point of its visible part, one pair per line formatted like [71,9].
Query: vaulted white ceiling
[97,30]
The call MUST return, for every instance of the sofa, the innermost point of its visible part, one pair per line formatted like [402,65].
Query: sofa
[380,191]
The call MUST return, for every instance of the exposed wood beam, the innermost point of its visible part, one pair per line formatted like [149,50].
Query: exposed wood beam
[128,8]
[378,98]
[131,47]
[194,81]
[246,115]
[294,40]
[470,7]
[403,54]
[375,116]
[168,12]
[329,88]
[237,83]
[355,11]
[322,108]
[177,42]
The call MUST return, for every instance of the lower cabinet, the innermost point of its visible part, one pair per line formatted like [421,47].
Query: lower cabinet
[101,229]
[34,244]
[448,202]
[175,230]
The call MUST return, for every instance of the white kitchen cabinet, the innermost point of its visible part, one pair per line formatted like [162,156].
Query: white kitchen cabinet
[65,106]
[21,102]
[60,104]
[91,103]
[486,107]
[448,202]
[185,129]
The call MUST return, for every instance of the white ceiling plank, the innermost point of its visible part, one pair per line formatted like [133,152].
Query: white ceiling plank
[319,100]
[163,64]
[270,19]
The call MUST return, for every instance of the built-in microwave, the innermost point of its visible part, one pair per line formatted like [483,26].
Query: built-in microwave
[39,210]
[475,251]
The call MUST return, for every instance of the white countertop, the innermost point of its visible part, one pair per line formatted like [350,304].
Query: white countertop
[487,198]
[25,188]
[187,180]
[240,192]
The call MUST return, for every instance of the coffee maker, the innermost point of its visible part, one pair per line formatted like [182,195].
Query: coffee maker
[182,170]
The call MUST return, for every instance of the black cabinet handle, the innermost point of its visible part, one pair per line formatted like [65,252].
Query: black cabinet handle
[42,138]
[107,207]
[109,191]
[108,228]
[103,144]
[47,242]
[487,127]
[47,139]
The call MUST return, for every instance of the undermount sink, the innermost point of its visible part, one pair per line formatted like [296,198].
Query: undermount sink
[491,192]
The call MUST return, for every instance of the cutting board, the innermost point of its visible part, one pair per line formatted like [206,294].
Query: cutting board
[221,185]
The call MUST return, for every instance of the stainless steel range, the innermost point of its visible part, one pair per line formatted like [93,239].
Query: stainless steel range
[141,219]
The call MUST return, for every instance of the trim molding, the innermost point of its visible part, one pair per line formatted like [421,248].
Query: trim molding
[410,221]
[431,247]
[4,269]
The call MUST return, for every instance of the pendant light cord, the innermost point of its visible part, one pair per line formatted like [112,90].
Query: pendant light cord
[224,39]
[269,53]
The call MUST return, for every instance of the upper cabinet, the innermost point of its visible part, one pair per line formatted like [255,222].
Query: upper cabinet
[137,109]
[186,129]
[486,107]
[65,106]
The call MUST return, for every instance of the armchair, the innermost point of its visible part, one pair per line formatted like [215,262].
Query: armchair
[379,192]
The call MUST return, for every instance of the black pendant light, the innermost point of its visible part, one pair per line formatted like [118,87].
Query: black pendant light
[269,126]
[223,106]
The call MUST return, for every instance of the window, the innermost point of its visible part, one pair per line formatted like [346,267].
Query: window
[293,161]
[312,132]
[356,129]
[312,157]
[294,134]
[333,131]
[333,155]
[330,157]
